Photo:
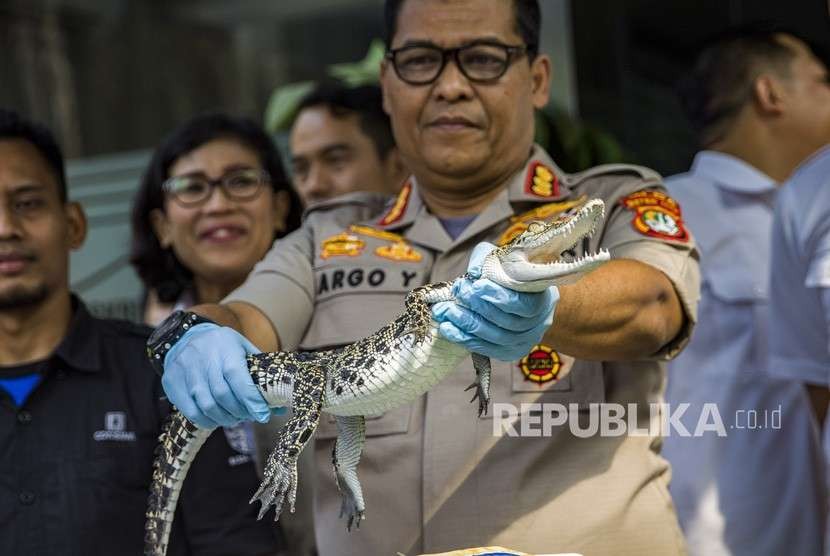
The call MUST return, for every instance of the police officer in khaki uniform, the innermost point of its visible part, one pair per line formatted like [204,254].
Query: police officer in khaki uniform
[435,477]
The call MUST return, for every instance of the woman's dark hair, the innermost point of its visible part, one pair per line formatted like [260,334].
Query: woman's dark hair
[159,268]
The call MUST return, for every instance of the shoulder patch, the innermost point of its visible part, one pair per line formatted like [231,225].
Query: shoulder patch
[398,209]
[656,215]
[343,244]
[541,181]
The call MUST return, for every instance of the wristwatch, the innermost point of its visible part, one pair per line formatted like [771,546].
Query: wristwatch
[170,331]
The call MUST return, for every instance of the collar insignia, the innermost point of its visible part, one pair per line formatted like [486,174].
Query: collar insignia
[541,181]
[397,211]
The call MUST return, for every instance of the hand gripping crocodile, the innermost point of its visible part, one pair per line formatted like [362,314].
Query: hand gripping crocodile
[390,368]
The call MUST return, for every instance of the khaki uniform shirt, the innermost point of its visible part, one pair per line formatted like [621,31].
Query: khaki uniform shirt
[434,476]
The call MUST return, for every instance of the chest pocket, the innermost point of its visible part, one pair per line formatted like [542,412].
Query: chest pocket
[352,302]
[554,378]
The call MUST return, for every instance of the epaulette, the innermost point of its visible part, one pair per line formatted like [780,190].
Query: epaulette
[612,169]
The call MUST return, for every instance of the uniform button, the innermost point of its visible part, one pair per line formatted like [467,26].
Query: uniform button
[61,374]
[26,497]
[24,417]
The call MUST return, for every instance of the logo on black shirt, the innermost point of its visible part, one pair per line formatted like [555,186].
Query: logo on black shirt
[115,423]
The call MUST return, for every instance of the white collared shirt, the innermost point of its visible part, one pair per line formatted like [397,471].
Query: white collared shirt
[754,490]
[800,343]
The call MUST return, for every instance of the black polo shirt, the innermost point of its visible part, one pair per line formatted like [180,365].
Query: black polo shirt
[76,459]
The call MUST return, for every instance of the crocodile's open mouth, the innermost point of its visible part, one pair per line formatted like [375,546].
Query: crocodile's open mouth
[542,251]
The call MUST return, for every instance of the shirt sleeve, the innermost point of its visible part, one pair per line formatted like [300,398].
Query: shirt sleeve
[216,516]
[282,286]
[667,246]
[818,269]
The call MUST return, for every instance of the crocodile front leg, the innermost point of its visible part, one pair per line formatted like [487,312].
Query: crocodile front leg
[280,482]
[345,455]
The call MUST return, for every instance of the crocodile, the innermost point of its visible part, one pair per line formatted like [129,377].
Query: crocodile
[387,369]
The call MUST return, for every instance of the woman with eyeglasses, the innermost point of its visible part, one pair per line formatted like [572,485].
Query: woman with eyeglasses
[211,203]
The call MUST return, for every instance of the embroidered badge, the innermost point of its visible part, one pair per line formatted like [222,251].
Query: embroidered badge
[342,245]
[374,232]
[541,365]
[656,215]
[398,251]
[541,181]
[519,223]
[396,212]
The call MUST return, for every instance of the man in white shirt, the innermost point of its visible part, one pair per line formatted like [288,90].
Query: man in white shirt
[800,285]
[761,104]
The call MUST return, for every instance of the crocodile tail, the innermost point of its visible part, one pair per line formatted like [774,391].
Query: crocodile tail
[179,442]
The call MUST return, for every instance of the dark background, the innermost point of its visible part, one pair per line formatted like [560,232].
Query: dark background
[115,75]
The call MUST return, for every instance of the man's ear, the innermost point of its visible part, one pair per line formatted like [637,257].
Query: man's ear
[540,74]
[161,227]
[280,207]
[76,219]
[768,94]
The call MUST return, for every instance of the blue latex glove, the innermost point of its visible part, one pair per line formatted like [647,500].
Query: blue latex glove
[492,320]
[206,377]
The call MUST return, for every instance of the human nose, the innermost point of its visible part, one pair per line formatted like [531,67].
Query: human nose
[451,84]
[217,200]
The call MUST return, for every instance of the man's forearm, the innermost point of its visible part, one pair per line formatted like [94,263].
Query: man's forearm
[623,310]
[245,319]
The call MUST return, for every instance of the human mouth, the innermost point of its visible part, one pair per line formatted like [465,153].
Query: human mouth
[452,123]
[222,234]
[13,263]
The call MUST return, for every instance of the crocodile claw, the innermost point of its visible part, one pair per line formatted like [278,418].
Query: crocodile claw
[481,396]
[279,485]
[349,505]
[349,509]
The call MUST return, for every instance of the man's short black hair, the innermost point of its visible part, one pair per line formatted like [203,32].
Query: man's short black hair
[15,126]
[366,101]
[722,79]
[528,22]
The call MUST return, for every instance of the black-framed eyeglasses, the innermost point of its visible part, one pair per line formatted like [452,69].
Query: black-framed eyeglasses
[239,185]
[421,64]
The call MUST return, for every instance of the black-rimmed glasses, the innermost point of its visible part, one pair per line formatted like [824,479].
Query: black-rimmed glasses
[240,185]
[479,61]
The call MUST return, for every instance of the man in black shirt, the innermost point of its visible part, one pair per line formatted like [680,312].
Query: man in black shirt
[80,407]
